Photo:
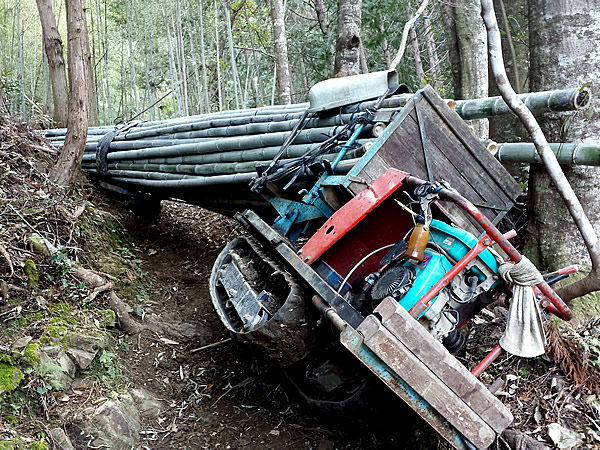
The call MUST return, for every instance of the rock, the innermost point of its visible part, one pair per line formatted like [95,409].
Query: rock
[82,358]
[60,439]
[520,441]
[115,424]
[31,354]
[39,244]
[20,343]
[147,402]
[57,367]
[87,343]
[563,437]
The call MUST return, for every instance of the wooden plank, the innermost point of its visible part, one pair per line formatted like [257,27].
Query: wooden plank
[449,370]
[418,376]
[461,162]
[353,341]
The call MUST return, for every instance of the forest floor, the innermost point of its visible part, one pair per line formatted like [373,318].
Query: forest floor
[213,392]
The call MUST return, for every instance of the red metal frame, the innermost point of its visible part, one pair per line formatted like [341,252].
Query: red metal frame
[351,214]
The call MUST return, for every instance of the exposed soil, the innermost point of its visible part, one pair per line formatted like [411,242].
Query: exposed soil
[219,397]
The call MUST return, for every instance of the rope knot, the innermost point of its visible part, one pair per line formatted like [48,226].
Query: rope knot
[523,273]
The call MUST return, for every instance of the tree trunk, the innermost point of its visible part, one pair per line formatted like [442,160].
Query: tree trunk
[92,105]
[435,70]
[322,17]
[449,21]
[563,43]
[69,161]
[417,56]
[203,57]
[364,67]
[56,63]
[385,45]
[472,50]
[347,44]
[280,50]
[181,60]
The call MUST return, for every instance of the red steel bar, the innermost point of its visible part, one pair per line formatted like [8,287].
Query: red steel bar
[490,358]
[423,303]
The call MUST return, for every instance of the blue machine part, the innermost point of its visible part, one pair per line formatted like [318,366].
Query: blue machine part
[456,242]
[433,267]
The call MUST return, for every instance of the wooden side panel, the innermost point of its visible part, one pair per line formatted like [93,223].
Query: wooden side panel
[431,141]
[425,382]
[450,371]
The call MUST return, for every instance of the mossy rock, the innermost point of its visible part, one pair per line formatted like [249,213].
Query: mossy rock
[10,376]
[31,354]
[31,272]
[53,334]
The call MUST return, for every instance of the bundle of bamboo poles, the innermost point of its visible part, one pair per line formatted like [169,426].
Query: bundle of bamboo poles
[219,152]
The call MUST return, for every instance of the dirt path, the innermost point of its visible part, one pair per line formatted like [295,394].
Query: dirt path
[219,397]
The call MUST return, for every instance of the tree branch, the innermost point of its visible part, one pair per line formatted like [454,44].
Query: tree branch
[407,26]
[592,281]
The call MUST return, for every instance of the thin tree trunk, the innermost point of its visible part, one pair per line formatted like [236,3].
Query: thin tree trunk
[417,56]
[172,69]
[234,71]
[89,73]
[56,63]
[364,67]
[198,107]
[132,74]
[385,45]
[261,89]
[182,64]
[511,47]
[69,161]
[203,56]
[449,21]
[106,65]
[280,50]
[322,17]
[20,59]
[147,79]
[347,44]
[472,48]
[434,61]
[218,59]
[407,26]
